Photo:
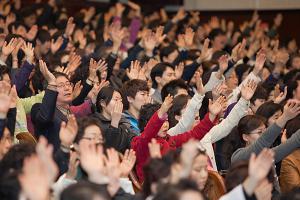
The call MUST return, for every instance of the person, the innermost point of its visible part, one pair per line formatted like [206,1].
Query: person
[135,94]
[110,107]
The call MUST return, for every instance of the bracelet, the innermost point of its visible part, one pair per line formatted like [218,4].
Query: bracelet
[65,149]
[89,81]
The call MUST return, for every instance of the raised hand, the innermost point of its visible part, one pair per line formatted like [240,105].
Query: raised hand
[216,108]
[55,45]
[117,34]
[290,111]
[77,89]
[154,149]
[281,96]
[264,190]
[94,67]
[199,84]
[116,114]
[95,90]
[180,15]
[127,163]
[238,52]
[259,62]
[167,104]
[119,9]
[19,44]
[223,63]
[179,70]
[248,90]
[219,90]
[205,52]
[73,166]
[50,78]
[68,132]
[180,42]
[7,48]
[259,167]
[31,34]
[74,63]
[113,171]
[70,27]
[149,42]
[5,99]
[28,50]
[133,71]
[13,97]
[159,35]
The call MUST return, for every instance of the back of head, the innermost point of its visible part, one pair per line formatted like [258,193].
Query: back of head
[292,126]
[236,174]
[85,191]
[104,95]
[146,113]
[268,109]
[172,88]
[260,93]
[43,36]
[179,103]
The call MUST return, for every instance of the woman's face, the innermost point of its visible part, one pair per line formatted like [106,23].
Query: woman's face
[108,108]
[92,135]
[274,117]
[232,81]
[199,172]
[251,137]
[5,142]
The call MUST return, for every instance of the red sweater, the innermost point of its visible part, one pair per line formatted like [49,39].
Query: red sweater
[140,143]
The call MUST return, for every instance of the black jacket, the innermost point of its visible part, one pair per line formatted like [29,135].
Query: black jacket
[118,138]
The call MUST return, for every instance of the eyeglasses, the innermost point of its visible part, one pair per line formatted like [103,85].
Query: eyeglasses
[62,85]
[98,140]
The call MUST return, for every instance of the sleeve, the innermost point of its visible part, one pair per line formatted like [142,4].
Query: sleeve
[237,193]
[61,184]
[122,195]
[134,29]
[114,137]
[169,25]
[27,103]
[132,56]
[83,109]
[188,117]
[183,54]
[110,60]
[62,160]
[189,71]
[289,175]
[198,132]
[11,120]
[83,94]
[22,75]
[213,82]
[284,149]
[152,128]
[222,129]
[2,126]
[126,185]
[43,113]
[264,141]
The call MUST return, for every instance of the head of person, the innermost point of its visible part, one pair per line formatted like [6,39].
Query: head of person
[183,190]
[169,53]
[89,131]
[64,89]
[259,97]
[270,111]
[4,74]
[135,94]
[237,174]
[232,80]
[43,41]
[292,127]
[174,88]
[293,88]
[147,111]
[199,172]
[161,74]
[29,17]
[106,100]
[250,128]
[178,108]
[295,61]
[17,28]
[85,190]
[294,194]
[6,142]
[242,71]
[218,39]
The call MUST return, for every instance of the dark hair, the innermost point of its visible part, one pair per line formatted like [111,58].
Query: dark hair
[179,103]
[130,88]
[43,36]
[158,70]
[292,126]
[215,33]
[3,70]
[10,187]
[166,51]
[174,192]
[260,93]
[268,109]
[240,70]
[59,74]
[105,95]
[292,86]
[146,113]
[14,158]
[15,24]
[294,194]
[238,172]
[84,190]
[172,88]
[83,123]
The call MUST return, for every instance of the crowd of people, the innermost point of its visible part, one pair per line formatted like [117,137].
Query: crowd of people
[129,104]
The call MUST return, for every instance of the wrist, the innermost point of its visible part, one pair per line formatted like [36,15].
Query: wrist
[114,123]
[212,117]
[90,81]
[281,121]
[3,115]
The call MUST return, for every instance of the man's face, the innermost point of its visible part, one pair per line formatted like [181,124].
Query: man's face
[30,20]
[219,42]
[167,76]
[45,47]
[64,89]
[296,63]
[141,98]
